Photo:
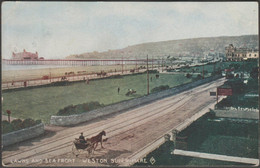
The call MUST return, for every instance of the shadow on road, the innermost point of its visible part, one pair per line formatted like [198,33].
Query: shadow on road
[29,142]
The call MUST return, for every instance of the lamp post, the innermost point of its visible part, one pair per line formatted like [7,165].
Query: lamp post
[203,71]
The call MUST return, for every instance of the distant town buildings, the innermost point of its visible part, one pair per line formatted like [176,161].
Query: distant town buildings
[239,54]
[25,56]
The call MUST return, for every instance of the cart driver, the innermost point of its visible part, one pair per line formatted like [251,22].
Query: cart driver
[82,138]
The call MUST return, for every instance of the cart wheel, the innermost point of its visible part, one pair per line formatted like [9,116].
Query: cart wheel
[75,151]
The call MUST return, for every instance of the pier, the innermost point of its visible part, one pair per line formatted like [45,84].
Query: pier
[78,62]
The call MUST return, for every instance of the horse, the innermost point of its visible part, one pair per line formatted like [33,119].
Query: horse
[96,139]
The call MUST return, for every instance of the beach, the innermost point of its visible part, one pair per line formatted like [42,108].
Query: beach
[27,74]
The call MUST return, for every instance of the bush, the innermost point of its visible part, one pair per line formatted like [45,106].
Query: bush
[80,108]
[160,88]
[7,127]
[152,71]
[28,123]
[18,124]
[38,122]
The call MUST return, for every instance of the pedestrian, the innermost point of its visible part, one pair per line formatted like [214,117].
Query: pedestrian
[151,79]
[118,90]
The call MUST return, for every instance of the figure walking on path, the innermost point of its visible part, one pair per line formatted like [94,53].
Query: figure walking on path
[118,90]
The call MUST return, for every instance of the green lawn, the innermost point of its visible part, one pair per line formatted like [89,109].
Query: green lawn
[41,103]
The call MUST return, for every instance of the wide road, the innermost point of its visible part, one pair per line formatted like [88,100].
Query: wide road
[127,132]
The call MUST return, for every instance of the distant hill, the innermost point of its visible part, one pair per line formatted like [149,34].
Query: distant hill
[187,47]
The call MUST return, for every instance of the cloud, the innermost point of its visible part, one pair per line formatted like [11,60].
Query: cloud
[58,29]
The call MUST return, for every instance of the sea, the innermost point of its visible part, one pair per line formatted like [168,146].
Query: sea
[6,67]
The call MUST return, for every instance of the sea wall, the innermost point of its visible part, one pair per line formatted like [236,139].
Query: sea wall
[124,105]
[23,134]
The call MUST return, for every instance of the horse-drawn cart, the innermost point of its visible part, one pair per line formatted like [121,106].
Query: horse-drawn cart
[89,145]
[79,147]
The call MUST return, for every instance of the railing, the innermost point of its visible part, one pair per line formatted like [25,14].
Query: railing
[73,77]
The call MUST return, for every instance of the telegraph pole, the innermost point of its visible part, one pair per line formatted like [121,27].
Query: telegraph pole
[162,64]
[214,68]
[158,62]
[152,63]
[147,69]
[50,75]
[122,65]
[243,68]
[135,63]
[203,71]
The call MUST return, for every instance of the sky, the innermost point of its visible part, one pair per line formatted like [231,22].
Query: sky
[60,29]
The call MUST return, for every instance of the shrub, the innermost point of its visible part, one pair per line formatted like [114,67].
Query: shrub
[7,127]
[38,122]
[28,123]
[198,77]
[18,124]
[152,71]
[160,88]
[80,108]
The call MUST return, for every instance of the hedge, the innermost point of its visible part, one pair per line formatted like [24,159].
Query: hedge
[160,88]
[18,124]
[80,108]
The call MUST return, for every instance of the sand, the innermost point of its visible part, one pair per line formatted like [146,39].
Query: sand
[16,75]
